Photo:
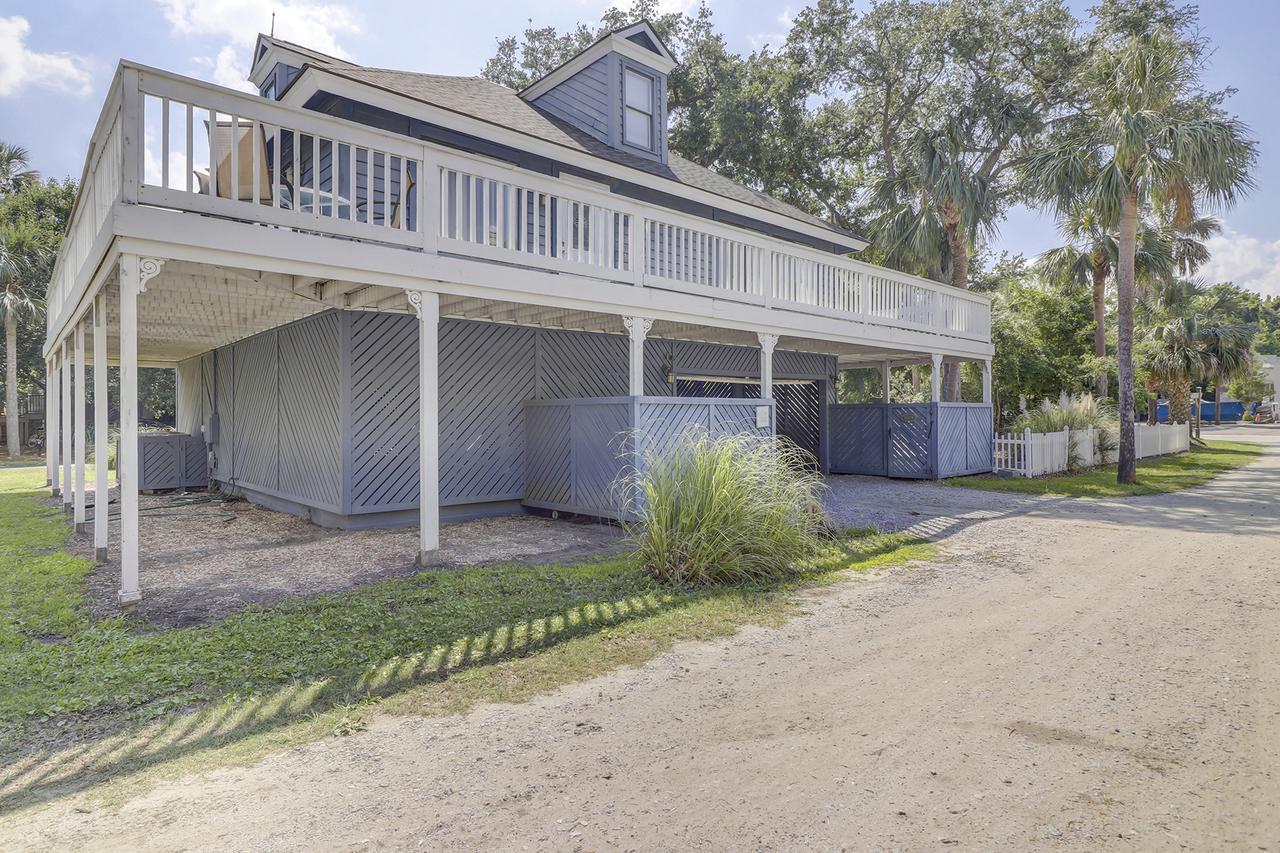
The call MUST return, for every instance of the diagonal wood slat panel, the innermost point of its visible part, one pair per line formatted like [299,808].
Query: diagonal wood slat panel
[310,411]
[858,438]
[384,412]
[910,432]
[486,373]
[255,440]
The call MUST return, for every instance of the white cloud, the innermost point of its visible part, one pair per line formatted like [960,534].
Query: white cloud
[1248,261]
[21,67]
[311,23]
[775,39]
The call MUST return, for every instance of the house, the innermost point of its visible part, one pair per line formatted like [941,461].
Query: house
[396,297]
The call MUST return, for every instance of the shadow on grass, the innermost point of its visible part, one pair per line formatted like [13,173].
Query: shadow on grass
[611,598]
[121,744]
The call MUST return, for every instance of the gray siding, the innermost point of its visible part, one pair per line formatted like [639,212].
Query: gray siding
[584,99]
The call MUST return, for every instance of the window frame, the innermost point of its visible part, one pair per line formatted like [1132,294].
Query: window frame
[654,143]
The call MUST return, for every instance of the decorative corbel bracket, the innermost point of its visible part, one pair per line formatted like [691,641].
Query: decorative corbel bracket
[148,268]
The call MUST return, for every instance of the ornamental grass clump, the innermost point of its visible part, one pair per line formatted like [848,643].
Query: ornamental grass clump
[1078,413]
[725,510]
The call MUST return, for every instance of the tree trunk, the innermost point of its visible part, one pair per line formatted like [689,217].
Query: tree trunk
[1217,403]
[1126,469]
[1179,399]
[13,439]
[959,278]
[1100,272]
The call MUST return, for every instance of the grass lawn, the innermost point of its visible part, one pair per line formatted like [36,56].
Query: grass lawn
[86,701]
[1156,476]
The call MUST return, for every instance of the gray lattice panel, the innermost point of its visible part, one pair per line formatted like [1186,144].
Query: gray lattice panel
[601,434]
[223,376]
[383,424]
[310,438]
[255,440]
[581,364]
[548,456]
[910,453]
[658,366]
[486,373]
[800,415]
[858,438]
[964,439]
[195,453]
[159,456]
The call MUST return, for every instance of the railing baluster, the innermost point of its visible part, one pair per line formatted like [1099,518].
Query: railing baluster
[164,143]
[257,157]
[190,148]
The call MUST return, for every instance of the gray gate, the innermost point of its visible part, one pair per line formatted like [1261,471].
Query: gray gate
[910,440]
[858,435]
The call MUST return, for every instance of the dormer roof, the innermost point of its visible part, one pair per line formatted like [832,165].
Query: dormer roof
[638,42]
[269,51]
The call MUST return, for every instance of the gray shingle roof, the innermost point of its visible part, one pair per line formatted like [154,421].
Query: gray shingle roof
[490,102]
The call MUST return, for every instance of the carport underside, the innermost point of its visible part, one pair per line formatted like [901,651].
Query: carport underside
[318,397]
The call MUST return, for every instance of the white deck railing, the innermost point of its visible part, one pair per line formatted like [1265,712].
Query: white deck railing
[1034,454]
[172,142]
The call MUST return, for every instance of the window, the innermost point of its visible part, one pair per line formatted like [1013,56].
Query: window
[638,98]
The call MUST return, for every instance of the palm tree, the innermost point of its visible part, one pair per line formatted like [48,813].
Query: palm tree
[1144,139]
[1230,353]
[1187,345]
[933,210]
[14,173]
[21,261]
[1089,259]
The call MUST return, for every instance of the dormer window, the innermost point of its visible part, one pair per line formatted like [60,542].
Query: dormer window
[638,100]
[615,90]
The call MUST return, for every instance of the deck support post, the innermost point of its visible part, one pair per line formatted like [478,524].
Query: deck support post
[101,495]
[127,467]
[886,382]
[935,378]
[767,344]
[82,429]
[53,422]
[427,306]
[986,381]
[637,328]
[65,408]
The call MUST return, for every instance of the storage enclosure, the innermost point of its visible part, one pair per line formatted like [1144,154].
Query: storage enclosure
[911,440]
[581,454]
[320,417]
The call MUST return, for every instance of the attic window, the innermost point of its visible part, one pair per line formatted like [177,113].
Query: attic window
[638,99]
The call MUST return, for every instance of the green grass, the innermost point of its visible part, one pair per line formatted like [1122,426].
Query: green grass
[86,701]
[1156,476]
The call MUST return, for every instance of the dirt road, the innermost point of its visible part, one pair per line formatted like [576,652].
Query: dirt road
[1068,676]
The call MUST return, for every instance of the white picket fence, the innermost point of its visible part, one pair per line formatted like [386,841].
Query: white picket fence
[1032,454]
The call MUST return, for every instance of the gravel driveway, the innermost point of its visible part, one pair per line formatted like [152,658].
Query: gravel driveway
[1068,675]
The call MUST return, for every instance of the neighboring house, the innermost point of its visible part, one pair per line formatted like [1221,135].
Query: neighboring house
[395,297]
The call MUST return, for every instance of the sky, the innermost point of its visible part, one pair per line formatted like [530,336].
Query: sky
[57,58]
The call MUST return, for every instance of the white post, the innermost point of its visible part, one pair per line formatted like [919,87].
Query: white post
[986,381]
[53,421]
[1026,453]
[127,468]
[101,502]
[886,382]
[637,328]
[935,378]
[767,344]
[82,429]
[65,408]
[427,306]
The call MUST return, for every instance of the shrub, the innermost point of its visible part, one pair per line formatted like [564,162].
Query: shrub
[727,510]
[1077,413]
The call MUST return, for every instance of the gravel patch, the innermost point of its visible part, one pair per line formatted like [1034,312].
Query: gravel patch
[201,561]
